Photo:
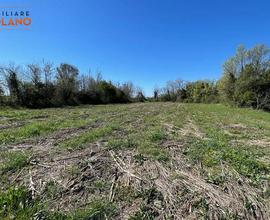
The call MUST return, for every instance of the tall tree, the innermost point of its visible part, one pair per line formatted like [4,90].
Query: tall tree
[128,89]
[48,71]
[13,83]
[241,58]
[35,73]
[67,83]
[259,58]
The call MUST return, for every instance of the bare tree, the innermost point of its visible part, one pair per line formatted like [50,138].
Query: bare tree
[35,73]
[156,92]
[98,76]
[262,99]
[128,88]
[140,97]
[48,71]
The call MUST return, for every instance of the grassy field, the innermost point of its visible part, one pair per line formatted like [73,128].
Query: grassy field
[135,161]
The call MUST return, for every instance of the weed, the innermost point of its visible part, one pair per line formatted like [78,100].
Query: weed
[154,151]
[125,193]
[13,161]
[203,206]
[16,203]
[96,210]
[217,178]
[156,135]
[145,213]
[139,159]
[73,170]
[150,195]
[52,190]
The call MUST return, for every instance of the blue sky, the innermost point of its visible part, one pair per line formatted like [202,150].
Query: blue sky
[145,41]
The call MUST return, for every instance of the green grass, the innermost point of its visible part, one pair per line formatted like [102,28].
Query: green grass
[222,143]
[17,203]
[125,143]
[82,140]
[98,209]
[35,129]
[218,147]
[12,161]
[246,162]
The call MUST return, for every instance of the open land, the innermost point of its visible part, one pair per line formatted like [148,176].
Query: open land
[135,161]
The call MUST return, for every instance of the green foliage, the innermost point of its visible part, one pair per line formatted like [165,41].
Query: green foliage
[2,99]
[37,96]
[110,94]
[13,83]
[201,91]
[198,91]
[226,87]
[66,84]
[46,87]
[245,82]
[246,78]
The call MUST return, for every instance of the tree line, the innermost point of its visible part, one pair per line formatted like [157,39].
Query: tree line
[40,86]
[202,91]
[245,82]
